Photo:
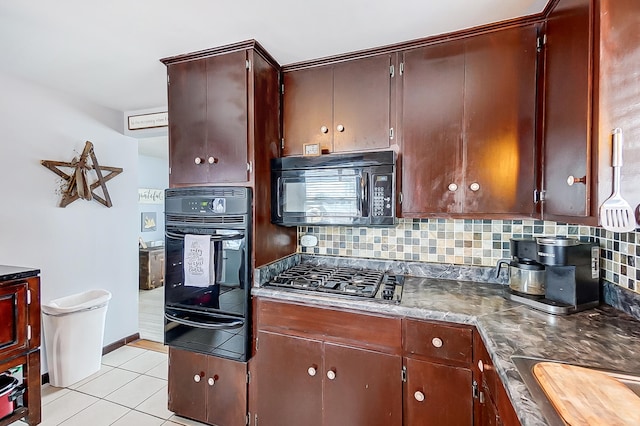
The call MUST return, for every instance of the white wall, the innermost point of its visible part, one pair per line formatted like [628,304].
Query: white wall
[84,245]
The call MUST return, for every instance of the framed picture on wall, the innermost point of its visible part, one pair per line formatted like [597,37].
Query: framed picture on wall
[148,222]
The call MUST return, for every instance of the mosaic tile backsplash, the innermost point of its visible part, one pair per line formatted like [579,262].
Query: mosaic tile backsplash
[472,242]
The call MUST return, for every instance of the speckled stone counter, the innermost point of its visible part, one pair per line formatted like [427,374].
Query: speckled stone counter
[10,273]
[603,337]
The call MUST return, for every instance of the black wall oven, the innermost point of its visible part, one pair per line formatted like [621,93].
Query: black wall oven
[210,316]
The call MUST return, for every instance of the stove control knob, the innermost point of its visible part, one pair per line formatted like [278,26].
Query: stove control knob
[331,374]
[437,342]
[419,396]
[311,371]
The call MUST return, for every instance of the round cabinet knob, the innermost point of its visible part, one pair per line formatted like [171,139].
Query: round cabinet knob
[312,371]
[324,129]
[419,396]
[211,381]
[474,186]
[331,374]
[198,160]
[212,160]
[572,179]
[437,342]
[480,365]
[340,128]
[196,378]
[452,187]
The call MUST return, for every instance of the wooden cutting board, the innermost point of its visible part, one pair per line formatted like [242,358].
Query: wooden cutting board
[587,397]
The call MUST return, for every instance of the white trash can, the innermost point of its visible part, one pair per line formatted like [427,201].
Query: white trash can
[73,334]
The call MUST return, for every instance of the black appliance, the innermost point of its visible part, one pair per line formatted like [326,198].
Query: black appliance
[350,282]
[572,270]
[571,276]
[213,318]
[334,189]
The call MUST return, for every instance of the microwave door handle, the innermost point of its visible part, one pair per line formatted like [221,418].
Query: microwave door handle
[364,187]
[278,194]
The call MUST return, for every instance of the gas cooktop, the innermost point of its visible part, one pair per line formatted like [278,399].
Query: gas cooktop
[341,281]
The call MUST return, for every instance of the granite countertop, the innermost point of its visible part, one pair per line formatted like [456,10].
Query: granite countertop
[9,273]
[602,337]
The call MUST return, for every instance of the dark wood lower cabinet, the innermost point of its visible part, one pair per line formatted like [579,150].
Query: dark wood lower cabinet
[493,406]
[310,382]
[207,389]
[288,394]
[437,394]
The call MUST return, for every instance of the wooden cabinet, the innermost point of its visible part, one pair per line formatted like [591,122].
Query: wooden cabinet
[492,406]
[207,389]
[438,389]
[343,106]
[317,366]
[590,88]
[468,125]
[20,340]
[151,268]
[208,119]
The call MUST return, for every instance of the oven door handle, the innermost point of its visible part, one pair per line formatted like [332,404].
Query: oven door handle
[229,237]
[208,326]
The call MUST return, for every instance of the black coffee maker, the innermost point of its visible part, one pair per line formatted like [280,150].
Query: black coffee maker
[572,271]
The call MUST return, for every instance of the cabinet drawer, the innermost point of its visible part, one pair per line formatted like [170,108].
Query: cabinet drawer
[434,340]
[375,332]
[13,313]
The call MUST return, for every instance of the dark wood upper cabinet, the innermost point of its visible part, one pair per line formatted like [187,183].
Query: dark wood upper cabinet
[308,109]
[591,87]
[208,120]
[431,122]
[567,109]
[468,126]
[343,106]
[499,121]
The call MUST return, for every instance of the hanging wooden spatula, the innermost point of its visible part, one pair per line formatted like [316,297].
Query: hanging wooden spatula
[615,213]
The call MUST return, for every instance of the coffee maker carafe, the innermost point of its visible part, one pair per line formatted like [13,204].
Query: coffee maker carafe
[572,271]
[526,275]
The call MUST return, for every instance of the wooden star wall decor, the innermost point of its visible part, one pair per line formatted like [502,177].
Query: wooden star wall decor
[77,181]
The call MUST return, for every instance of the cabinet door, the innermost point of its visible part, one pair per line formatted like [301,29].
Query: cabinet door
[365,389]
[227,394]
[499,121]
[432,113]
[361,102]
[187,96]
[188,384]
[13,317]
[289,381]
[307,108]
[437,394]
[226,118]
[567,115]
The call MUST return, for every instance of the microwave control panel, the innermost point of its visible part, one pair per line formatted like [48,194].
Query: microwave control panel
[382,198]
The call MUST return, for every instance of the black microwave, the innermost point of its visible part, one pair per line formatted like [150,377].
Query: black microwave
[334,189]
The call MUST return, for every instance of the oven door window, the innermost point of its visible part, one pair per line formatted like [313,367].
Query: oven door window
[228,292]
[336,193]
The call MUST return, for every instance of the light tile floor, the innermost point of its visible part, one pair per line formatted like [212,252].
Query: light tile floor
[129,390]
